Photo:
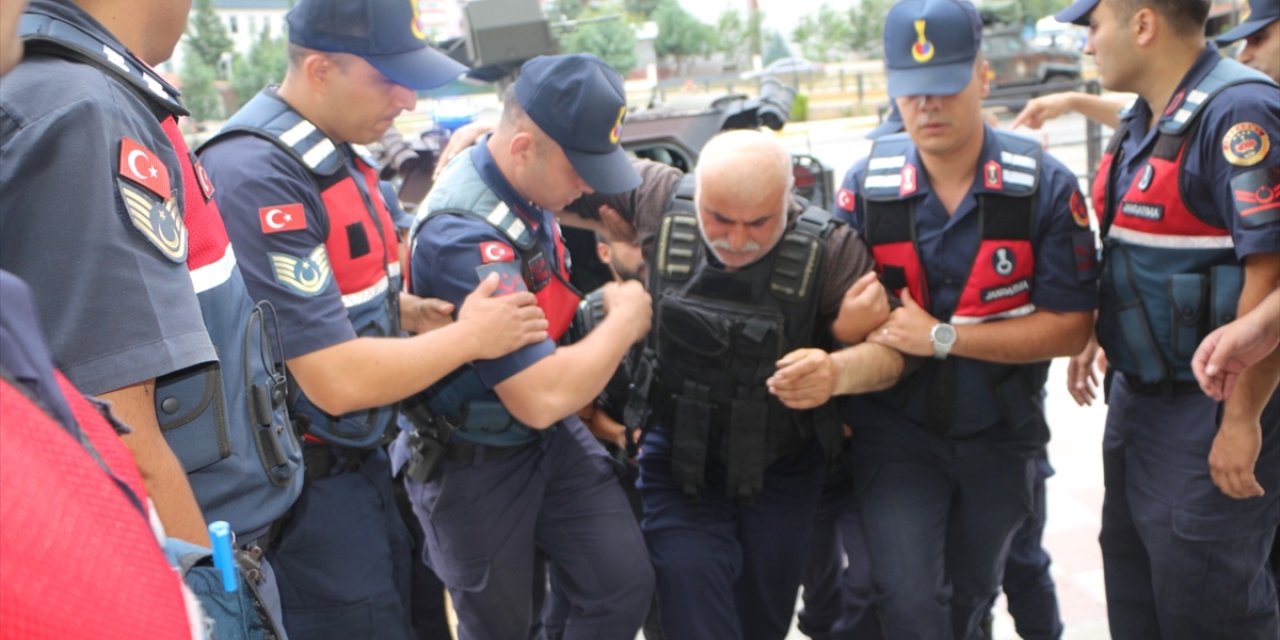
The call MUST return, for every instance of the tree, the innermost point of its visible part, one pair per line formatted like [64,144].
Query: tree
[866,26]
[732,39]
[611,40]
[642,9]
[207,39]
[824,36]
[265,64]
[680,35]
[198,92]
[567,9]
[775,47]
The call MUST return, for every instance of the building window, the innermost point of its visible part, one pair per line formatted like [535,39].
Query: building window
[231,25]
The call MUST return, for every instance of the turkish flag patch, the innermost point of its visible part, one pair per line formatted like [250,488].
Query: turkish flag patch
[282,217]
[844,199]
[496,252]
[140,165]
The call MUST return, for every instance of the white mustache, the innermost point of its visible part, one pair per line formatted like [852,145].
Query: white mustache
[724,245]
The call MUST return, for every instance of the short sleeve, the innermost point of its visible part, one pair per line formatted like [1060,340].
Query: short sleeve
[1240,165]
[451,255]
[277,224]
[114,297]
[1066,272]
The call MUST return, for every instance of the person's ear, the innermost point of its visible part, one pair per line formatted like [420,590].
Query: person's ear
[1144,25]
[521,148]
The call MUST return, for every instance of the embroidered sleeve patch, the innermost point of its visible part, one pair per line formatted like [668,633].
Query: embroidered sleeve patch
[1257,196]
[509,278]
[282,217]
[1245,144]
[1085,253]
[496,252]
[308,275]
[1079,212]
[845,199]
[142,166]
[159,221]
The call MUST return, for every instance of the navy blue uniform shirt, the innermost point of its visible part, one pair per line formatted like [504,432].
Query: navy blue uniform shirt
[114,296]
[453,254]
[947,245]
[1205,164]
[255,176]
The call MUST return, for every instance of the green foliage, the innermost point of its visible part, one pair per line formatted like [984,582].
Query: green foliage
[198,91]
[207,39]
[643,9]
[824,36]
[680,35]
[612,40]
[567,9]
[1034,10]
[265,64]
[866,25]
[775,47]
[799,108]
[736,38]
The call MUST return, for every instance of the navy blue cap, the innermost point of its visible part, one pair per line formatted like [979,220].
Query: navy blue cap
[1077,13]
[579,102]
[394,207]
[892,124]
[930,45]
[386,33]
[1261,14]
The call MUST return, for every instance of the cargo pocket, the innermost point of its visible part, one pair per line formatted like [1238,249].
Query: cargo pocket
[1186,301]
[191,412]
[1218,549]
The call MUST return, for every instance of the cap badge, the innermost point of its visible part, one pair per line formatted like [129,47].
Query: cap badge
[922,50]
[615,133]
[416,24]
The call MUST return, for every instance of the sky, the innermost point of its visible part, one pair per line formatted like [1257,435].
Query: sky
[780,15]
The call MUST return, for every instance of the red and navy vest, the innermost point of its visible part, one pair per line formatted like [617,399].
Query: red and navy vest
[462,397]
[362,249]
[1170,273]
[226,420]
[999,282]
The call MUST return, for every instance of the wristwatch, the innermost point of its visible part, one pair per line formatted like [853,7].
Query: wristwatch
[943,337]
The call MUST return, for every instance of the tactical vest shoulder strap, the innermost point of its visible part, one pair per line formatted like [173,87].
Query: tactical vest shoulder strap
[1020,160]
[500,218]
[266,116]
[884,167]
[1226,73]
[51,36]
[682,195]
[679,246]
[799,259]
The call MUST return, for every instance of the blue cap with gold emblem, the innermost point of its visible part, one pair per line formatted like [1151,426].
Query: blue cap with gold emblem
[1077,12]
[930,46]
[579,102]
[386,33]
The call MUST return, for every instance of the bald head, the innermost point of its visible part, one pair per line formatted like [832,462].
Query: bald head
[749,163]
[744,189]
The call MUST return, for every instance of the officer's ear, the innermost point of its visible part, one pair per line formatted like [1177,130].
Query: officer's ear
[522,148]
[983,72]
[1144,26]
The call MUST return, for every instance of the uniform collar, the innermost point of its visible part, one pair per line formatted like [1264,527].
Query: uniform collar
[990,154]
[531,214]
[1140,111]
[93,39]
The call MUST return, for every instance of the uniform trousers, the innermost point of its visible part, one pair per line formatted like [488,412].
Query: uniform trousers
[1182,560]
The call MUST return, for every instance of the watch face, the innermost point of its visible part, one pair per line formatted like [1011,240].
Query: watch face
[944,333]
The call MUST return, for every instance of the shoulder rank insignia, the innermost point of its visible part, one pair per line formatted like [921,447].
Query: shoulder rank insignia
[1245,144]
[159,221]
[307,275]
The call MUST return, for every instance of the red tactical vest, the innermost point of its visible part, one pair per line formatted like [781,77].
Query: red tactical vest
[999,281]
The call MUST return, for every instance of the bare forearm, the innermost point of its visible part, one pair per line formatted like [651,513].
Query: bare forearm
[563,382]
[867,367]
[1258,382]
[1039,336]
[161,471]
[371,372]
[1097,108]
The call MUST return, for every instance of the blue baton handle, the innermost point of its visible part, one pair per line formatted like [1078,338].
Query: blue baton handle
[220,537]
